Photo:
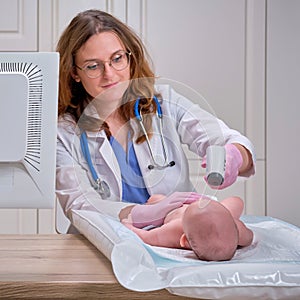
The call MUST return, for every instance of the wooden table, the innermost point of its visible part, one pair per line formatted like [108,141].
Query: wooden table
[60,267]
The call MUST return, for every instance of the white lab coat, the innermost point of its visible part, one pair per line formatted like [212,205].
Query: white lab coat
[183,123]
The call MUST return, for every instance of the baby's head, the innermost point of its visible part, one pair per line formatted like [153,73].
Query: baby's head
[210,230]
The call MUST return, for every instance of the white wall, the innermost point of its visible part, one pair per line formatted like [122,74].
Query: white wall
[283,107]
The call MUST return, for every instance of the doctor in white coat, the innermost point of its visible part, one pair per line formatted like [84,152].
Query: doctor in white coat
[118,129]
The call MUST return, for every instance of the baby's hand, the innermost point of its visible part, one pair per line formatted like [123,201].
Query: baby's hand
[127,221]
[125,212]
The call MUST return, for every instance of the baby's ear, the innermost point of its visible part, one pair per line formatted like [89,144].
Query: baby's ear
[184,243]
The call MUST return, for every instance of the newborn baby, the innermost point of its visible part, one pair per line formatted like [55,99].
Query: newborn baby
[188,220]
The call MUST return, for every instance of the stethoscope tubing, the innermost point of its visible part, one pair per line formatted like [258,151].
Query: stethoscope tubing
[138,114]
[87,155]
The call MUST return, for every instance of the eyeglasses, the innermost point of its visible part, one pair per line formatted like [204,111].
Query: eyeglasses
[119,61]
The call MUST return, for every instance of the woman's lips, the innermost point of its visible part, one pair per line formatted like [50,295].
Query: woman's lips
[107,86]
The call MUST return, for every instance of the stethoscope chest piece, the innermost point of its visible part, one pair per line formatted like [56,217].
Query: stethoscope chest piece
[102,188]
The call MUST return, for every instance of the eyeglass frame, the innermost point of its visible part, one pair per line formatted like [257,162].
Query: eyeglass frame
[84,68]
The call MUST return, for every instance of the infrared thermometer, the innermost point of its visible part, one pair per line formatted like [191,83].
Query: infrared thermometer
[215,165]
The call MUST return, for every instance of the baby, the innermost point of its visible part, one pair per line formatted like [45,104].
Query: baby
[188,220]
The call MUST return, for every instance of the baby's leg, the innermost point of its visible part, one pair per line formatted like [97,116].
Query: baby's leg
[235,205]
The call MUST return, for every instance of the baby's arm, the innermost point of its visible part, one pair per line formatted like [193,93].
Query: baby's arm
[235,205]
[168,235]
[245,234]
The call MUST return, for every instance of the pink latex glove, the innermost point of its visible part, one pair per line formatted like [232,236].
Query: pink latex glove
[234,161]
[154,214]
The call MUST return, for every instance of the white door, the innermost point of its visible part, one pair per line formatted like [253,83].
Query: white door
[18,25]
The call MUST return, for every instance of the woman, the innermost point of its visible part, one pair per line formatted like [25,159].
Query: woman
[103,71]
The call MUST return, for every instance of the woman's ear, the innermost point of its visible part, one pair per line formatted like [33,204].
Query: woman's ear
[184,243]
[76,78]
[74,75]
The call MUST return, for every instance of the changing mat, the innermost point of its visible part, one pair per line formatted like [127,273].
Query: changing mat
[268,269]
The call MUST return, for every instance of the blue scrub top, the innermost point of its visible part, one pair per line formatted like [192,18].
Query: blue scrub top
[133,185]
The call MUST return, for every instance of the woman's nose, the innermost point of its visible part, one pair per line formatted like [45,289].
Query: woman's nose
[108,70]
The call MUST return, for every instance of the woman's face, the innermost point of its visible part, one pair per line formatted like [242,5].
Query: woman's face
[101,48]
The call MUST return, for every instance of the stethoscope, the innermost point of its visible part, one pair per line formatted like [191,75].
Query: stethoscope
[159,114]
[100,185]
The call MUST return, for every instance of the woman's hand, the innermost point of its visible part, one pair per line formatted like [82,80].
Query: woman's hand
[154,214]
[234,162]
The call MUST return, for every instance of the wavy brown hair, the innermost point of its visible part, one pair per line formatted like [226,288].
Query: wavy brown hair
[73,98]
